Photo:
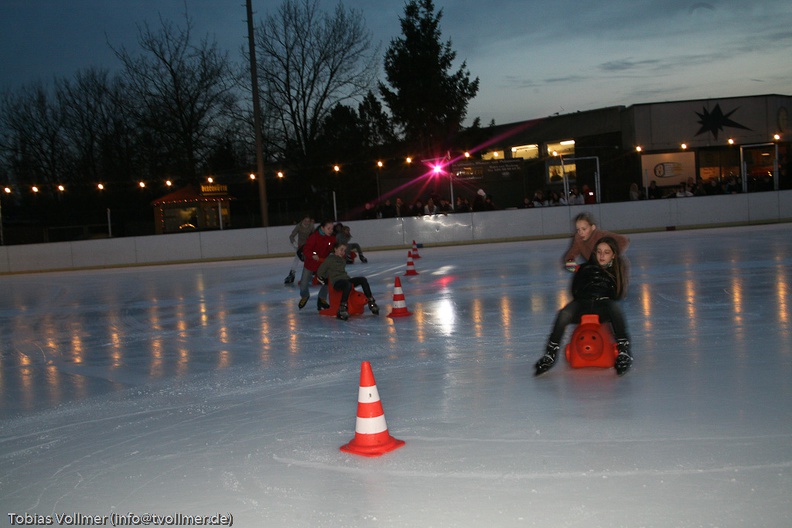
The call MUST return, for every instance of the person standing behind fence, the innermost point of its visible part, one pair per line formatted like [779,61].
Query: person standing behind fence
[298,238]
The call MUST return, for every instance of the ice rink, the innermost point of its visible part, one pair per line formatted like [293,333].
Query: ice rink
[201,389]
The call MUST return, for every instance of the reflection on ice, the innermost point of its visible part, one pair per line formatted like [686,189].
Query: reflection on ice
[203,386]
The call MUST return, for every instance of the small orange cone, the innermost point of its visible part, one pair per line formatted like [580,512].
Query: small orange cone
[371,432]
[415,251]
[399,305]
[410,265]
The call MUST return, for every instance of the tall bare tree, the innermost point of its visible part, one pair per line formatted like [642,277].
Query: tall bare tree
[309,62]
[32,141]
[96,128]
[180,92]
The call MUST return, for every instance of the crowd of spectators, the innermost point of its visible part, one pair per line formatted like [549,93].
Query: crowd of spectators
[435,204]
[691,187]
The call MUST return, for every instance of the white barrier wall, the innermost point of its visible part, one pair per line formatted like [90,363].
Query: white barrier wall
[705,211]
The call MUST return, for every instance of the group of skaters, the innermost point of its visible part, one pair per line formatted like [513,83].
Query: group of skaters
[325,252]
[599,282]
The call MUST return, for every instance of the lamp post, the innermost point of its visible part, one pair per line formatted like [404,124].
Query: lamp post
[379,170]
[336,169]
[563,174]
[2,239]
[257,117]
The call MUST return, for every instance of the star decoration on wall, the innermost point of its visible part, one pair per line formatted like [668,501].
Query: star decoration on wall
[715,121]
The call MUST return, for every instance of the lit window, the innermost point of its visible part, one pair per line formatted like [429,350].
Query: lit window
[525,152]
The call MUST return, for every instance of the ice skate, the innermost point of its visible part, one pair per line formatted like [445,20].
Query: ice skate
[342,314]
[547,361]
[321,304]
[372,304]
[289,278]
[363,259]
[624,359]
[303,302]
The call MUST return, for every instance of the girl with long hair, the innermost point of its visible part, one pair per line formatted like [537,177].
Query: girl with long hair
[596,288]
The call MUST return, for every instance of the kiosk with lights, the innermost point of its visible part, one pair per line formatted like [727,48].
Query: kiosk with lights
[193,208]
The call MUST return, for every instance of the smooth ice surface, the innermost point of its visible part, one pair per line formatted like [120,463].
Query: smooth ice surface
[202,389]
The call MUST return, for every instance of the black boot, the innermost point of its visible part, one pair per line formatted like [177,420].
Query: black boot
[373,306]
[363,259]
[547,361]
[624,359]
[289,278]
[342,314]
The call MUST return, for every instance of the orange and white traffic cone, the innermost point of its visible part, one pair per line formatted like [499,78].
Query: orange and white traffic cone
[371,432]
[415,251]
[399,304]
[410,265]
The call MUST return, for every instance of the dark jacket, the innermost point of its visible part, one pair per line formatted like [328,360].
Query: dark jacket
[592,282]
[333,269]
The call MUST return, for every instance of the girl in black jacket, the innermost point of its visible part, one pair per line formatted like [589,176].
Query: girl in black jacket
[596,288]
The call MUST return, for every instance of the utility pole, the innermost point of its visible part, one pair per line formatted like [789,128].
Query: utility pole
[257,118]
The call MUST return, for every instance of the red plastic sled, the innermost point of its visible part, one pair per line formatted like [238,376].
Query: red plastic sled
[355,305]
[592,344]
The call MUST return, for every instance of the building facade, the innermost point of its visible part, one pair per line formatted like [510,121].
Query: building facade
[707,146]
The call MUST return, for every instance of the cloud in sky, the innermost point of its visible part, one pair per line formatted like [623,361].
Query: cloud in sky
[532,57]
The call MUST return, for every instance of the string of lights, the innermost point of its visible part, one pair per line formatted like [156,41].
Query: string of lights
[437,165]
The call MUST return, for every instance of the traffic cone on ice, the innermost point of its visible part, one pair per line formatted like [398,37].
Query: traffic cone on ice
[399,305]
[415,251]
[371,432]
[410,265]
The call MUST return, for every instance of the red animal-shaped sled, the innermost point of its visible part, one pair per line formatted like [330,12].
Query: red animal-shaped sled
[592,344]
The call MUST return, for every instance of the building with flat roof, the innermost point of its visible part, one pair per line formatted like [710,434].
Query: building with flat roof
[729,144]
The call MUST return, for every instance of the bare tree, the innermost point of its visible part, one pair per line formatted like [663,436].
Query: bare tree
[95,127]
[32,142]
[309,62]
[181,95]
